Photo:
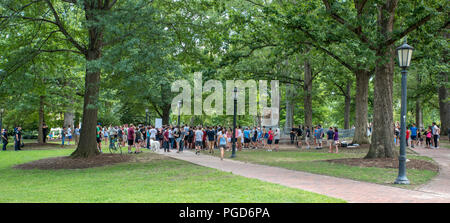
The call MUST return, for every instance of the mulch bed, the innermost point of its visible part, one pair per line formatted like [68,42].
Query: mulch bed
[66,162]
[386,163]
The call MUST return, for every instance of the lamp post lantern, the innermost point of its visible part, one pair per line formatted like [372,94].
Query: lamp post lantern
[179,113]
[233,138]
[404,53]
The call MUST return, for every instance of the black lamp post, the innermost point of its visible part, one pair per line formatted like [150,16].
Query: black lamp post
[233,138]
[179,114]
[146,116]
[404,53]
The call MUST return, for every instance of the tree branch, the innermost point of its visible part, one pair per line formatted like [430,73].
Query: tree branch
[411,28]
[63,30]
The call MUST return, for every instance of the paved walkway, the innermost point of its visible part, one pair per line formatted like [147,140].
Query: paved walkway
[441,183]
[349,190]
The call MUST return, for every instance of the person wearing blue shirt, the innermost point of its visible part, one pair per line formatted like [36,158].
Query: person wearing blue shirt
[319,136]
[246,137]
[413,130]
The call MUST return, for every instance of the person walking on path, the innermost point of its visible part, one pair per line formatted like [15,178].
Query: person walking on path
[435,131]
[222,139]
[4,139]
[198,140]
[428,135]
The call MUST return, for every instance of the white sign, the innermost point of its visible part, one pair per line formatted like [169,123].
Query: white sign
[158,123]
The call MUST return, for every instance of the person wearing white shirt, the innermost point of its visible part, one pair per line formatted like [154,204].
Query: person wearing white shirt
[69,134]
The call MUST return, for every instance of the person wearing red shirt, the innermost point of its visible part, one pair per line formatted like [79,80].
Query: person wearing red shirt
[408,133]
[166,140]
[270,139]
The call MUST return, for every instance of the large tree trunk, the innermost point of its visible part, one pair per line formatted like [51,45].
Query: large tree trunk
[444,105]
[41,120]
[382,145]
[347,105]
[361,99]
[289,109]
[87,146]
[166,114]
[307,87]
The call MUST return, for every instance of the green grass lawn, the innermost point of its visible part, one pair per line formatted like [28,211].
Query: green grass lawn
[160,180]
[313,161]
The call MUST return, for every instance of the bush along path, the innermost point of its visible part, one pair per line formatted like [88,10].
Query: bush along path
[349,190]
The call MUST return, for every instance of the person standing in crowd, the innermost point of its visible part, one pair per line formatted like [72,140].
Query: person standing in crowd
[166,141]
[397,135]
[203,138]
[246,138]
[171,139]
[176,135]
[266,137]
[76,134]
[270,139]
[222,140]
[69,135]
[120,136]
[413,130]
[99,137]
[105,135]
[4,139]
[307,137]
[428,135]
[198,140]
[299,136]
[180,140]
[63,136]
[316,135]
[254,138]
[330,138]
[210,142]
[276,137]
[408,133]
[130,138]
[44,132]
[138,139]
[239,136]
[17,138]
[320,134]
[292,134]
[336,139]
[435,130]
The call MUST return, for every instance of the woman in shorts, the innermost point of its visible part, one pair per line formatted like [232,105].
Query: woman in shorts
[276,137]
[222,139]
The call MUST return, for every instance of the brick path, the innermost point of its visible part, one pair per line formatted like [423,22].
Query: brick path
[349,190]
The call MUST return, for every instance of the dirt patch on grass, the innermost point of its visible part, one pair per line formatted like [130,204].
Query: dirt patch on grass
[66,162]
[386,163]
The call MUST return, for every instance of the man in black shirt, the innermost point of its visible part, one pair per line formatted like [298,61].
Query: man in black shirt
[17,138]
[44,132]
[299,136]
[292,134]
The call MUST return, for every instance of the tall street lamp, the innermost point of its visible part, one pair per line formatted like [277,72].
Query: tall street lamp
[404,53]
[146,116]
[179,108]
[233,138]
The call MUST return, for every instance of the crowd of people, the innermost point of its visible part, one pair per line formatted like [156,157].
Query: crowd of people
[315,135]
[199,138]
[416,136]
